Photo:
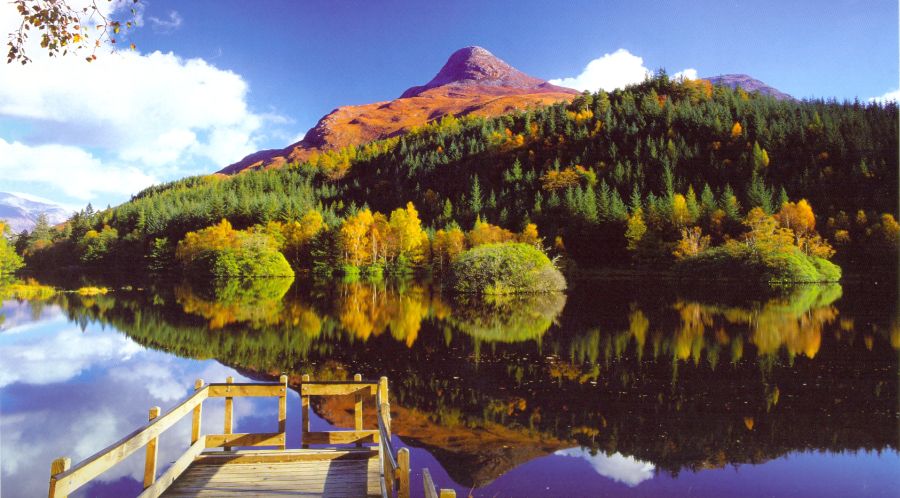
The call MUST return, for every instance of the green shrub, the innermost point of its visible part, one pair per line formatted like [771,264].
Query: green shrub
[231,263]
[505,268]
[743,263]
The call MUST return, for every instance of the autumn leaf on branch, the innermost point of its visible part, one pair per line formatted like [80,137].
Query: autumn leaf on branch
[62,28]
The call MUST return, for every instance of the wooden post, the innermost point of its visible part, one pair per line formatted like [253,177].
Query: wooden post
[229,410]
[58,466]
[304,412]
[358,409]
[198,412]
[282,410]
[403,473]
[385,407]
[150,460]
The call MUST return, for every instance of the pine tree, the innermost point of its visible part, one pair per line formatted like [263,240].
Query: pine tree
[636,201]
[693,207]
[730,204]
[475,196]
[707,201]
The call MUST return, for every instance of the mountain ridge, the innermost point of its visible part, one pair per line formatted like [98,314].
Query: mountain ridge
[473,81]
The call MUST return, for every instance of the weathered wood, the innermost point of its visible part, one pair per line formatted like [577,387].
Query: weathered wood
[58,466]
[337,389]
[431,490]
[341,437]
[101,461]
[198,413]
[245,390]
[177,468]
[403,473]
[304,411]
[282,408]
[282,456]
[384,407]
[150,457]
[358,409]
[244,439]
[334,478]
[229,409]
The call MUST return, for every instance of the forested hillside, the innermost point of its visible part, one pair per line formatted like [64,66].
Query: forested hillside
[648,175]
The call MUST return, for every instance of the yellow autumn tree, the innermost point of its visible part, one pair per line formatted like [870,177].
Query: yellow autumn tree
[736,129]
[354,237]
[680,213]
[447,244]
[485,233]
[299,234]
[692,243]
[530,235]
[406,228]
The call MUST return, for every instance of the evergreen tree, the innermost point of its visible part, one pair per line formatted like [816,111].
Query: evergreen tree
[475,196]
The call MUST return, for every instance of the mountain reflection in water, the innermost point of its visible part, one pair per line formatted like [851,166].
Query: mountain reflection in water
[632,379]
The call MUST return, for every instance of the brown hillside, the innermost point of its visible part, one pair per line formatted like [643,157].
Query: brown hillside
[472,82]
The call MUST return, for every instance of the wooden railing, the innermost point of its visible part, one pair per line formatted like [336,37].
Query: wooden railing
[65,479]
[394,469]
[431,491]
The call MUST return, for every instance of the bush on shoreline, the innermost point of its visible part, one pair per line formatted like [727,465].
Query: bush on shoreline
[505,268]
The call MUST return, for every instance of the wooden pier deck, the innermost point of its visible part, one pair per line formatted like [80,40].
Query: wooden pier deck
[359,462]
[288,473]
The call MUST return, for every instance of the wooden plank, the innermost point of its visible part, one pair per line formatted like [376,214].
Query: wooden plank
[229,411]
[173,472]
[337,389]
[358,409]
[150,455]
[304,411]
[246,390]
[384,405]
[198,413]
[340,437]
[268,456]
[403,473]
[431,490]
[282,408]
[58,466]
[101,461]
[244,439]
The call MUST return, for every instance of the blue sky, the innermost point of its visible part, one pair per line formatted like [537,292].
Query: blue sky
[261,73]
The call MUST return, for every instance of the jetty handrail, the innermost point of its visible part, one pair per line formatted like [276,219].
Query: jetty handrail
[394,470]
[65,479]
[431,491]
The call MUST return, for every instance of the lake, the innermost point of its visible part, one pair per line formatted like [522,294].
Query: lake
[617,388]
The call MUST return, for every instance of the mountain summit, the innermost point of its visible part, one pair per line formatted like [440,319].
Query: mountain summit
[476,67]
[472,82]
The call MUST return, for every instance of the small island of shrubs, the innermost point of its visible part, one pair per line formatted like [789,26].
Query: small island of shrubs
[505,268]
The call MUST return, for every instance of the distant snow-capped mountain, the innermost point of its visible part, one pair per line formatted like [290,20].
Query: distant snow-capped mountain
[22,211]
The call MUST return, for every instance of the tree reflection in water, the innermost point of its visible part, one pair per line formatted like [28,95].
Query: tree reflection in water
[685,381]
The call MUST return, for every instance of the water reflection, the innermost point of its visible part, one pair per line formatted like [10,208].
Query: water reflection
[637,382]
[618,467]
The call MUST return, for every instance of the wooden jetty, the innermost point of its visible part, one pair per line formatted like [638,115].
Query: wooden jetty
[355,462]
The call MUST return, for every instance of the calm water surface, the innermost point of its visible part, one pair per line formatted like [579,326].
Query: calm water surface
[618,388]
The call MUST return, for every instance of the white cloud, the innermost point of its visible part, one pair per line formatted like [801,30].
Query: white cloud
[687,74]
[167,25]
[40,358]
[887,97]
[616,70]
[618,467]
[123,121]
[71,170]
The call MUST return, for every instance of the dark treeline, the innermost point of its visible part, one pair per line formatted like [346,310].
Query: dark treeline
[611,178]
